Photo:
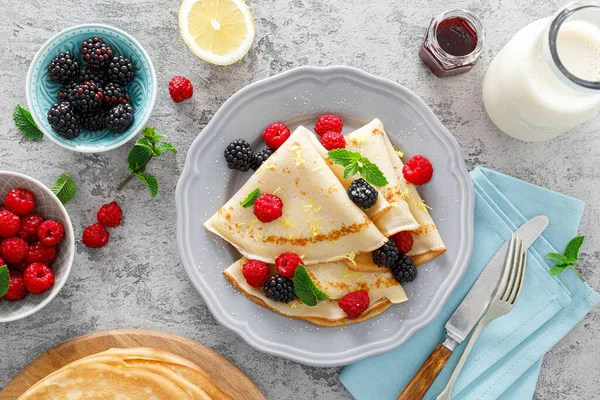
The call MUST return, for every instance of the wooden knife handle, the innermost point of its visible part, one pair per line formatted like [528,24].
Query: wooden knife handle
[423,379]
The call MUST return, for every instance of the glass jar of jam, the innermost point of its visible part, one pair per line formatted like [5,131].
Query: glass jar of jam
[453,43]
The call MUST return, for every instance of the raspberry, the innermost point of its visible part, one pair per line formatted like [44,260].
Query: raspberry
[180,88]
[418,170]
[95,236]
[38,278]
[20,267]
[16,287]
[333,140]
[19,201]
[403,241]
[268,208]
[13,250]
[10,224]
[29,227]
[51,232]
[39,252]
[2,262]
[287,263]
[275,135]
[355,303]
[327,123]
[110,215]
[256,273]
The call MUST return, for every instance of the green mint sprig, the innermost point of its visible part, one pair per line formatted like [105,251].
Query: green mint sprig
[25,123]
[354,162]
[251,198]
[64,188]
[4,280]
[145,149]
[305,288]
[567,260]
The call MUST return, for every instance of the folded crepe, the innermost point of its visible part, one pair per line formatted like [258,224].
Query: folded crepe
[336,280]
[319,220]
[428,243]
[142,365]
[391,213]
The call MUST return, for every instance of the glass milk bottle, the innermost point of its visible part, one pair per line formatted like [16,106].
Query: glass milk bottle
[546,79]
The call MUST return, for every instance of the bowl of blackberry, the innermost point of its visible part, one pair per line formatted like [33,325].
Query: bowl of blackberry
[91,88]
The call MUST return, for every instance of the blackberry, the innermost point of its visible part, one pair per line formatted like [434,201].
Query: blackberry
[362,194]
[115,94]
[96,53]
[279,288]
[66,93]
[88,74]
[63,68]
[238,155]
[120,70]
[119,118]
[87,97]
[63,120]
[404,270]
[259,158]
[387,255]
[95,121]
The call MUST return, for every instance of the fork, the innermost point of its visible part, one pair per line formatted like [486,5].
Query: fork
[502,303]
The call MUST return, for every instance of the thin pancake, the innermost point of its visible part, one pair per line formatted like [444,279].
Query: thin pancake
[391,213]
[428,243]
[319,220]
[336,280]
[101,381]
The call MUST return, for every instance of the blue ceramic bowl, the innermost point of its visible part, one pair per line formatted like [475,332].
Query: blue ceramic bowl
[41,92]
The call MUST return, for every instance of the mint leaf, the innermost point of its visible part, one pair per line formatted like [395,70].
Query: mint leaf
[4,280]
[138,156]
[350,170]
[558,269]
[64,188]
[558,258]
[145,143]
[343,157]
[164,147]
[251,198]
[572,250]
[151,134]
[305,288]
[24,123]
[150,181]
[371,172]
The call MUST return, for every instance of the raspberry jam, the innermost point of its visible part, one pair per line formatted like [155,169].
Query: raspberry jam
[453,43]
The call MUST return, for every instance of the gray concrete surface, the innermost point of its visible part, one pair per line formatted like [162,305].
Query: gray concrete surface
[138,281]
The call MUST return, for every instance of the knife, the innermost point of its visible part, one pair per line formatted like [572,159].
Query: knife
[469,312]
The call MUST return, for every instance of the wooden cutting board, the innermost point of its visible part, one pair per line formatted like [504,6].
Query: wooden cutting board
[223,373]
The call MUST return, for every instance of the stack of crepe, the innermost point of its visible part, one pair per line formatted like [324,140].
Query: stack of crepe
[135,373]
[332,235]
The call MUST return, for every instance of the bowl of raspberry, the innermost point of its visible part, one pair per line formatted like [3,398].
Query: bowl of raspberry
[91,88]
[37,246]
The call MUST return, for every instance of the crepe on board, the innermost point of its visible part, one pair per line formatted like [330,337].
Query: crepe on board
[391,213]
[143,365]
[428,243]
[319,220]
[336,280]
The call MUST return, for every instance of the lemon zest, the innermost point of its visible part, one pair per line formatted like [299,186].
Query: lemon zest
[294,329]
[352,274]
[311,206]
[406,194]
[399,153]
[423,206]
[317,168]
[276,190]
[288,224]
[314,226]
[294,305]
[251,226]
[298,154]
[359,140]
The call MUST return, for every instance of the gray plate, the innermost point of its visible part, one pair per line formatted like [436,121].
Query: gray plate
[297,97]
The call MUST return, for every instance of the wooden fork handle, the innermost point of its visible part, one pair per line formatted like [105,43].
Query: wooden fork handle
[423,379]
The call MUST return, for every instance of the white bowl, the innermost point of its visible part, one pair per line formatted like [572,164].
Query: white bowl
[49,207]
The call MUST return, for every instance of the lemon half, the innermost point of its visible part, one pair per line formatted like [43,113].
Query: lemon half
[218,31]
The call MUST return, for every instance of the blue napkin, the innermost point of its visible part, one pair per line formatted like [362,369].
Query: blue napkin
[506,359]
